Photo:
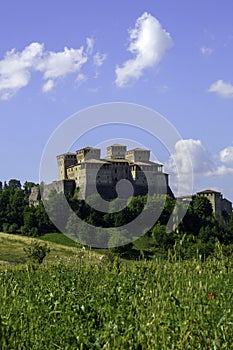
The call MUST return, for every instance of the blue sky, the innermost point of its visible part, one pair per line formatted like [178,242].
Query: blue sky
[175,57]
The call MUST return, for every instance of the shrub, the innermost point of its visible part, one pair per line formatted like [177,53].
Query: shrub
[37,252]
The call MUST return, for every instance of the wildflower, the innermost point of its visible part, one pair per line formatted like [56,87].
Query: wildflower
[213,295]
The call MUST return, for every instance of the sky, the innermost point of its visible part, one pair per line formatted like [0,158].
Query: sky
[175,57]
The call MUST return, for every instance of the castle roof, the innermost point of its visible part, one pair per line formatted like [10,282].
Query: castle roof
[66,154]
[118,160]
[117,145]
[138,149]
[208,192]
[147,163]
[102,161]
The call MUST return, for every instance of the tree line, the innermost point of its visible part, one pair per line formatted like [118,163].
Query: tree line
[197,232]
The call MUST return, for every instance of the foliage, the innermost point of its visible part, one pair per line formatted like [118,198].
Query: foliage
[199,226]
[37,252]
[114,305]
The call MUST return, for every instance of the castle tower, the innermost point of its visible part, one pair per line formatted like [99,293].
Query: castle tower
[116,151]
[138,155]
[87,153]
[63,161]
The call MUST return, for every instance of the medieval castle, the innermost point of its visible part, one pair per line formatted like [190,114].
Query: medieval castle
[86,171]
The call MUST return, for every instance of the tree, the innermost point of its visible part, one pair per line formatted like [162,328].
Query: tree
[13,183]
[162,238]
[202,207]
[29,218]
[15,205]
[37,252]
[43,222]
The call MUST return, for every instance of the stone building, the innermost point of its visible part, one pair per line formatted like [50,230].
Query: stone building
[91,173]
[221,206]
[35,197]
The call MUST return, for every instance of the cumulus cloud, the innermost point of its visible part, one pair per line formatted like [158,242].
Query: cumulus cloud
[17,66]
[196,159]
[222,89]
[15,69]
[220,170]
[191,157]
[59,64]
[226,155]
[206,51]
[148,43]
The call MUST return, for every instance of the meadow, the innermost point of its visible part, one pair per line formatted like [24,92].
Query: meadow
[91,301]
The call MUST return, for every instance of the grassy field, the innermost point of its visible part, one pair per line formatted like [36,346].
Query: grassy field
[58,238]
[12,248]
[89,302]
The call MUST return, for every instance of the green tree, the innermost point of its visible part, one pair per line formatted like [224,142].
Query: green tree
[202,207]
[37,252]
[163,239]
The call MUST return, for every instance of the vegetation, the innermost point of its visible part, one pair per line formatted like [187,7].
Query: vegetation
[37,252]
[160,304]
[12,249]
[178,295]
[198,231]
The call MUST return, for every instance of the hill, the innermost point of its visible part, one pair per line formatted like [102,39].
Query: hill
[12,248]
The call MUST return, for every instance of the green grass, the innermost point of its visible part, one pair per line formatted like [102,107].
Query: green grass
[58,238]
[12,249]
[76,300]
[103,305]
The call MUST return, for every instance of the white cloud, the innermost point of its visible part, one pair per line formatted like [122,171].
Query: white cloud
[148,42]
[220,170]
[90,45]
[201,161]
[99,59]
[58,64]
[222,89]
[49,85]
[191,157]
[81,77]
[226,155]
[206,51]
[15,69]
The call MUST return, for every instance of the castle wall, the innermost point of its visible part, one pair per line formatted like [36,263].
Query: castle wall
[226,206]
[60,186]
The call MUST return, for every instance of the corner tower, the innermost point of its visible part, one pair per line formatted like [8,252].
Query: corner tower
[63,161]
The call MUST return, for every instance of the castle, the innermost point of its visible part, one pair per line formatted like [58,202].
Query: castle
[87,171]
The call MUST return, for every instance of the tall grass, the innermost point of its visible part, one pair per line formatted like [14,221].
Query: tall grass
[117,305]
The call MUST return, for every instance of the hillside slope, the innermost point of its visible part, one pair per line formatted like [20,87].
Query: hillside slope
[12,250]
